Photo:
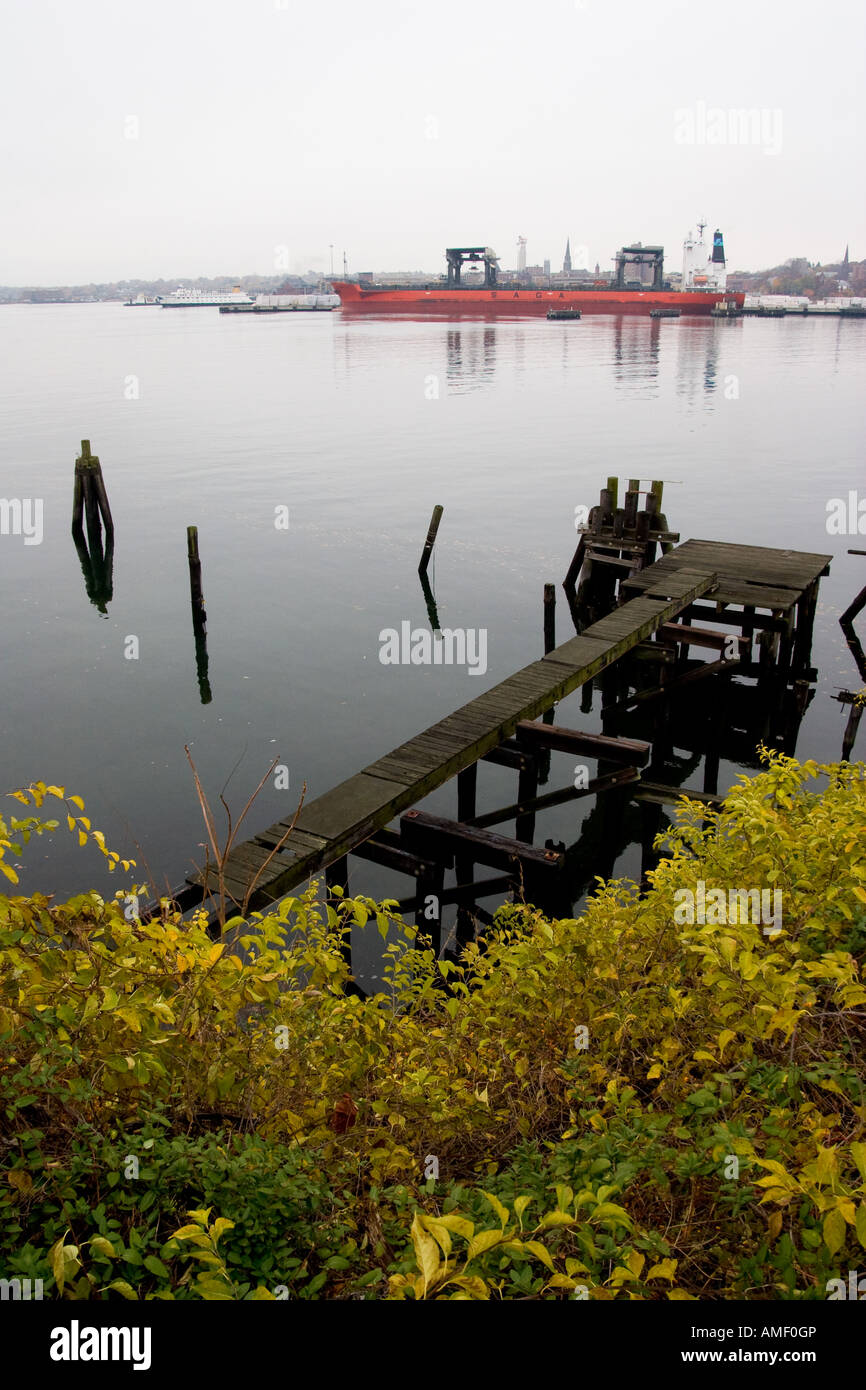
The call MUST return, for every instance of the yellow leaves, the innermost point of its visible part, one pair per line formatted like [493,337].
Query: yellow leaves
[458,1224]
[834,1230]
[727,1035]
[860,1224]
[727,945]
[654,1072]
[20,1180]
[774,1225]
[194,1234]
[520,1205]
[536,1248]
[635,1261]
[665,1269]
[219,1227]
[826,1165]
[426,1252]
[484,1240]
[609,1214]
[501,1211]
[91,1006]
[64,1262]
[555,1218]
[858,1153]
[124,1289]
[102,1246]
[440,1234]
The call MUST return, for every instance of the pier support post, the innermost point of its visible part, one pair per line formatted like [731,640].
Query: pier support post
[549,618]
[431,539]
[195,590]
[527,790]
[428,915]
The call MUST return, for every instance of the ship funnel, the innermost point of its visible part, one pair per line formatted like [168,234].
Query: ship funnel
[718,256]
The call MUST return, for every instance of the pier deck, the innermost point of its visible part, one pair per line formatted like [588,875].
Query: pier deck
[342,819]
[754,576]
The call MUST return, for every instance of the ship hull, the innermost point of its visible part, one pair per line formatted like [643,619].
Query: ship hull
[355,298]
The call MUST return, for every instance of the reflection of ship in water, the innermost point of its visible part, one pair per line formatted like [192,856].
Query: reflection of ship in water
[636,350]
[471,357]
[697,360]
[640,347]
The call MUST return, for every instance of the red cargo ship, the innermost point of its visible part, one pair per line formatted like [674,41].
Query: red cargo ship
[637,286]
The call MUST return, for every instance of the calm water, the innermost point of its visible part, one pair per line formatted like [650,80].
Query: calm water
[359,427]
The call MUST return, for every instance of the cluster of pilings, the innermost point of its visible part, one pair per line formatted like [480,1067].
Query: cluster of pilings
[90,507]
[615,542]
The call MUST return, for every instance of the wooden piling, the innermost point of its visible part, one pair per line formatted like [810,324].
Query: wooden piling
[464,867]
[431,539]
[549,618]
[102,498]
[78,499]
[195,590]
[575,567]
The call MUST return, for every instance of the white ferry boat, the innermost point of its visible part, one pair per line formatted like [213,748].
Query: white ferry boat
[183,298]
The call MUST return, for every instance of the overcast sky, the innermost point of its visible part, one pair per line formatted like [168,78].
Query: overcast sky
[183,137]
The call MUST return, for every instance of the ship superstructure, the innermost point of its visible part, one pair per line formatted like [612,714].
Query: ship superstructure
[704,267]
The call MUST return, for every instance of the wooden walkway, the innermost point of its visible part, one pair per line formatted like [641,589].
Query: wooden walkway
[342,819]
[751,576]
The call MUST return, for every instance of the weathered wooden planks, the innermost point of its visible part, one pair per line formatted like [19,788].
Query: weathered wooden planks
[342,818]
[748,574]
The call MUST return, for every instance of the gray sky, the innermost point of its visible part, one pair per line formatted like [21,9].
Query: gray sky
[395,129]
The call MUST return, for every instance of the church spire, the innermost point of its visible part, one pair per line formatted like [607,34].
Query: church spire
[566,264]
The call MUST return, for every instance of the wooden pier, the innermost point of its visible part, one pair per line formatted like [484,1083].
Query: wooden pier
[640,651]
[342,819]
